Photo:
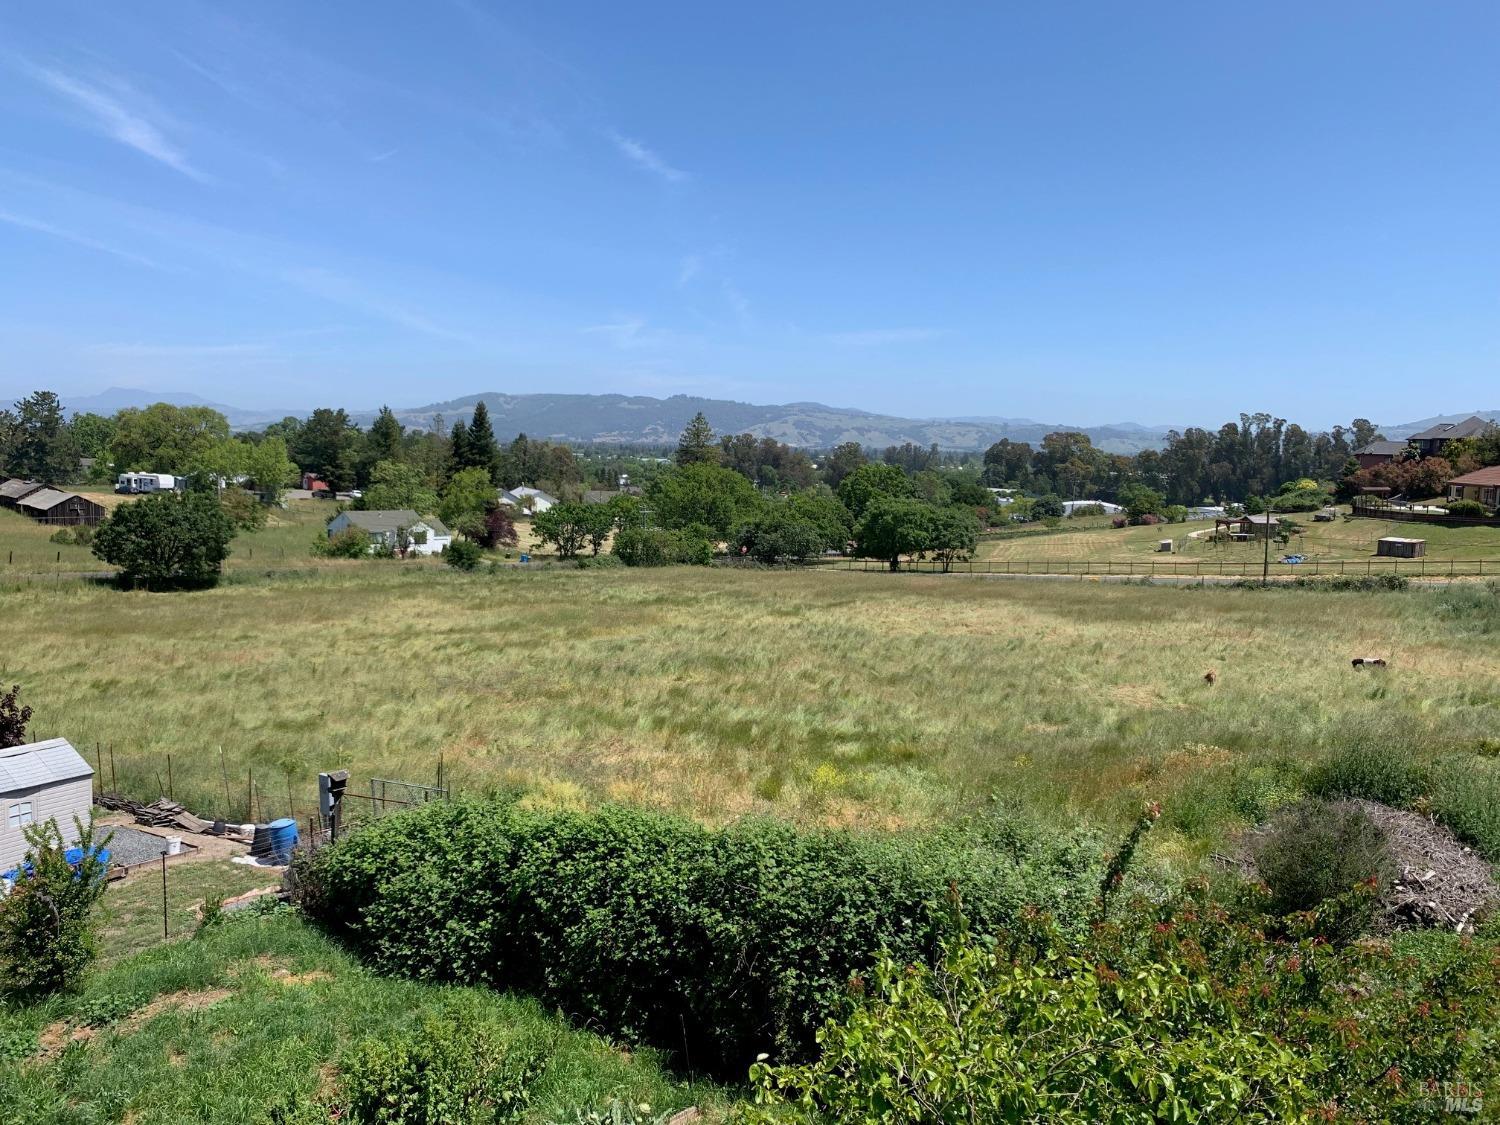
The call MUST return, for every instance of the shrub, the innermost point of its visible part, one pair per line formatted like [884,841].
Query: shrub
[1470,509]
[652,546]
[1119,521]
[719,944]
[463,554]
[1314,852]
[351,543]
[244,509]
[1180,1014]
[47,926]
[1087,510]
[1474,608]
[1466,797]
[449,1071]
[616,1113]
[14,715]
[82,535]
[1377,766]
[599,562]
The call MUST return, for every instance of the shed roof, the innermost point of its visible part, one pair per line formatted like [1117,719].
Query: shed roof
[1381,449]
[1489,476]
[1399,539]
[393,520]
[15,488]
[41,763]
[1449,430]
[45,500]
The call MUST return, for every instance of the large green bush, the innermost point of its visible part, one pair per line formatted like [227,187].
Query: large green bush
[1182,1014]
[1313,852]
[48,928]
[716,944]
[1375,765]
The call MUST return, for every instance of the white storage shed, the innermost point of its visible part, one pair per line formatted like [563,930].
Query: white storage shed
[41,781]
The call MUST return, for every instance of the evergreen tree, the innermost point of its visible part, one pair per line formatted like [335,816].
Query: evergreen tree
[383,443]
[484,452]
[697,444]
[41,445]
[458,448]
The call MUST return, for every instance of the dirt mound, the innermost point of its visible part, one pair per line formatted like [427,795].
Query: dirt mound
[1439,882]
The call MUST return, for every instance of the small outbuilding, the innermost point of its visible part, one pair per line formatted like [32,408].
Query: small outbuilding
[41,781]
[1395,547]
[51,505]
[14,489]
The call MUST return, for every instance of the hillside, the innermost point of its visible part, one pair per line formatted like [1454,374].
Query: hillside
[637,418]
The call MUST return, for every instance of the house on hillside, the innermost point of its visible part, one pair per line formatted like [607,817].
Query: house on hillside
[516,498]
[1431,442]
[1379,452]
[424,535]
[1482,485]
[605,495]
[41,781]
[14,489]
[51,505]
[1262,525]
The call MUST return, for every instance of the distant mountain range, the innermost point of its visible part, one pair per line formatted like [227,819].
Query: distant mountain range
[636,418]
[641,419]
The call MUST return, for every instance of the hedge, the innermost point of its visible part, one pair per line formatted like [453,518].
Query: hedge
[715,944]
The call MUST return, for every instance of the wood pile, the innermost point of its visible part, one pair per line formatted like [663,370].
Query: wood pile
[160,813]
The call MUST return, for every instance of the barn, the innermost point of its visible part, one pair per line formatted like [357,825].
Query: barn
[1396,547]
[51,505]
[12,490]
[41,781]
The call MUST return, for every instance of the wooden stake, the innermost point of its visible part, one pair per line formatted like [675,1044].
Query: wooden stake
[224,770]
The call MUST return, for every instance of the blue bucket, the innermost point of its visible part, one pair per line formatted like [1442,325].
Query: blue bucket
[283,838]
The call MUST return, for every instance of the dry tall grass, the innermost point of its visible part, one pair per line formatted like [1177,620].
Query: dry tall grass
[823,697]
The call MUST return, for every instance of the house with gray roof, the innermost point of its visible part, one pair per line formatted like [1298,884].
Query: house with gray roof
[424,535]
[1432,441]
[15,488]
[41,781]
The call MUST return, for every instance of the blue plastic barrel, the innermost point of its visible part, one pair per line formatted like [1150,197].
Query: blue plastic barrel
[283,838]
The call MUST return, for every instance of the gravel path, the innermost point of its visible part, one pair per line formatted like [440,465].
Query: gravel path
[131,845]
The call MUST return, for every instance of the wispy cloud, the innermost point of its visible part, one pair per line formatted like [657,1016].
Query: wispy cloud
[40,227]
[332,286]
[624,332]
[382,157]
[689,269]
[112,117]
[645,159]
[878,337]
[738,303]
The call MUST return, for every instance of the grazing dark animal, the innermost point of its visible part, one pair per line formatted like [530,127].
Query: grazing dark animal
[1210,677]
[1367,662]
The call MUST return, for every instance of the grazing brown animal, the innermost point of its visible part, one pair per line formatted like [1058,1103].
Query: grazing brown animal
[1210,677]
[1367,662]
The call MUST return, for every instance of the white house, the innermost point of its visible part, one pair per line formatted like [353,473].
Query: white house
[41,781]
[540,501]
[425,534]
[1071,506]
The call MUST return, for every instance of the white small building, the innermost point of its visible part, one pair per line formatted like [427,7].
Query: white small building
[425,535]
[41,781]
[1205,511]
[1071,506]
[540,501]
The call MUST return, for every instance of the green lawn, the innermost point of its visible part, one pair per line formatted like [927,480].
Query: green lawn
[130,916]
[262,1012]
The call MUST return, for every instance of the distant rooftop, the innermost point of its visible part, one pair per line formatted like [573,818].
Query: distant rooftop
[1450,431]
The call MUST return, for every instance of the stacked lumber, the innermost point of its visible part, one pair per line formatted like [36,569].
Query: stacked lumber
[160,813]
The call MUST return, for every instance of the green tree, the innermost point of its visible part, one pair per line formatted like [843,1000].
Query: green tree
[702,493]
[1138,501]
[697,445]
[395,486]
[167,539]
[467,496]
[463,554]
[384,441]
[41,444]
[458,448]
[893,527]
[827,513]
[1047,507]
[842,461]
[778,535]
[482,451]
[954,534]
[269,467]
[328,444]
[871,482]
[93,434]
[162,438]
[567,527]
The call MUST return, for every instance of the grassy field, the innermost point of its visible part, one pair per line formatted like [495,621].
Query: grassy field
[826,698]
[26,547]
[262,1012]
[1325,545]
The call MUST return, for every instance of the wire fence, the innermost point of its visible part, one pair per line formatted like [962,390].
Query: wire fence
[1195,568]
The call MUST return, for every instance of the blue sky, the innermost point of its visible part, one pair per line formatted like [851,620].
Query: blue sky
[1091,212]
